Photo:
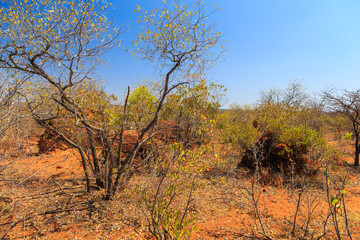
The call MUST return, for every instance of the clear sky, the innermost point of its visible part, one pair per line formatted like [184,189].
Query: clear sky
[270,42]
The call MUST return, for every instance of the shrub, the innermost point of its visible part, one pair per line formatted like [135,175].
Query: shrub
[194,108]
[274,136]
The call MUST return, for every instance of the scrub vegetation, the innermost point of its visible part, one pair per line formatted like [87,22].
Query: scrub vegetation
[165,161]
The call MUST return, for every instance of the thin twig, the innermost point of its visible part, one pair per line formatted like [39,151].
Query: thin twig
[11,226]
[296,212]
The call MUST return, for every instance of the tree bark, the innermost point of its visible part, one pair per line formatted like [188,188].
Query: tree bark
[357,151]
[357,146]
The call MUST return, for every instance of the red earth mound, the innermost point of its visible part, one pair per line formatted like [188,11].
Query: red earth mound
[166,131]
[279,157]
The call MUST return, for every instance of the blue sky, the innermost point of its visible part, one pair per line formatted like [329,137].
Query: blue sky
[270,42]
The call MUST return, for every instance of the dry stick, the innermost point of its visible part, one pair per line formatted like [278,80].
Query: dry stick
[20,184]
[122,128]
[336,224]
[297,210]
[252,193]
[62,190]
[343,201]
[27,204]
[325,223]
[18,221]
[268,237]
[11,226]
[145,199]
[25,179]
[332,211]
[34,196]
[346,218]
[257,212]
[12,162]
[63,210]
[310,212]
[259,218]
[188,201]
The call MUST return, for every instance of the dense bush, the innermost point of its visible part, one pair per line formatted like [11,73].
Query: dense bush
[194,108]
[141,106]
[277,136]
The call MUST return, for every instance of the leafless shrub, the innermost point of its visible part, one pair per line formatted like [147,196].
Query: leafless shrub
[335,196]
[159,202]
[254,192]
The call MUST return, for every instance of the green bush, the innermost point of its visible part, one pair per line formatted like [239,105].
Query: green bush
[141,106]
[194,108]
[277,134]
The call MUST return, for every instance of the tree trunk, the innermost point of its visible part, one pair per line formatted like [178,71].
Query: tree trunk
[87,177]
[357,150]
[97,174]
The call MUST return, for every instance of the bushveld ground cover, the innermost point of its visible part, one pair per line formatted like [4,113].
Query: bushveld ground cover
[164,162]
[54,204]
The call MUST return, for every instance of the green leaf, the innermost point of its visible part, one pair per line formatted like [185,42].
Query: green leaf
[334,201]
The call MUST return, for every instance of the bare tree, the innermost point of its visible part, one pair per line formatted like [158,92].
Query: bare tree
[294,95]
[178,38]
[157,202]
[9,102]
[58,44]
[12,137]
[348,104]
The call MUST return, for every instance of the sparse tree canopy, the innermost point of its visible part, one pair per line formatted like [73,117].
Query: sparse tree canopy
[56,45]
[9,102]
[55,41]
[178,37]
[294,95]
[348,104]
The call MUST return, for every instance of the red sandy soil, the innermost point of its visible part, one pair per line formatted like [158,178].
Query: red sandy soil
[221,207]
